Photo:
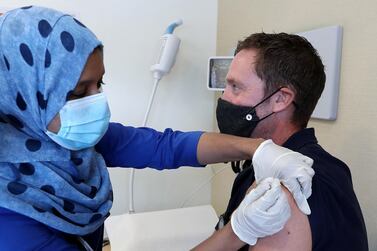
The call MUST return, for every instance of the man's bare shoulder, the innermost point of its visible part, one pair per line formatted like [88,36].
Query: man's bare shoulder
[296,234]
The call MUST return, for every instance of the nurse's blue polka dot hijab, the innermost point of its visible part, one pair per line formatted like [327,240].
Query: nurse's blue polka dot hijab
[42,55]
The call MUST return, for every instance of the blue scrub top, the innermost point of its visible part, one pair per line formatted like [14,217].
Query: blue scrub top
[126,146]
[122,146]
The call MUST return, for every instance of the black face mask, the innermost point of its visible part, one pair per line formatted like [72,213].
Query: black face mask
[238,120]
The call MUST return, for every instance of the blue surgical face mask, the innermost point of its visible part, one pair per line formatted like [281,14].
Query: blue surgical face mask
[83,122]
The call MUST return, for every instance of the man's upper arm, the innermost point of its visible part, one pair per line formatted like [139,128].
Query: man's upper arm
[296,234]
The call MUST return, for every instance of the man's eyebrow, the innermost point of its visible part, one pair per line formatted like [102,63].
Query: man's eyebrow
[230,80]
[234,81]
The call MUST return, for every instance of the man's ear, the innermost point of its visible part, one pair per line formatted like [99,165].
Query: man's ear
[283,99]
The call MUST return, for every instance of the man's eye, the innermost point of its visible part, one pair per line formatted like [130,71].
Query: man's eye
[234,86]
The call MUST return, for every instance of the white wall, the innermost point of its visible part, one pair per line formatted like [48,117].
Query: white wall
[352,136]
[130,31]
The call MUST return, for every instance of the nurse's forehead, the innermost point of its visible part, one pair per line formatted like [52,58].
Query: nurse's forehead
[94,68]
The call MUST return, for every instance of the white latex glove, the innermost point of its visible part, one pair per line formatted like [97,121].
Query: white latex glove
[292,168]
[263,212]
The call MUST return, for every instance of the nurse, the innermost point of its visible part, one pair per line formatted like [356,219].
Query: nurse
[56,141]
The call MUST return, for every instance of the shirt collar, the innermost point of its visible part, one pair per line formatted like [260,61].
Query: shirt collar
[300,139]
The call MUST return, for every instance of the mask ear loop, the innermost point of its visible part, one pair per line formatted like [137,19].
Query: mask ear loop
[249,117]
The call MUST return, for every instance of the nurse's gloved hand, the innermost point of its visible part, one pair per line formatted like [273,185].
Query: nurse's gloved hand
[292,168]
[263,212]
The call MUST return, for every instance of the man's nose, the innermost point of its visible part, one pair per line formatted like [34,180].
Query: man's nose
[227,95]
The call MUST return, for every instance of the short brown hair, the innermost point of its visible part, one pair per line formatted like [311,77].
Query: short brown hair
[289,60]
